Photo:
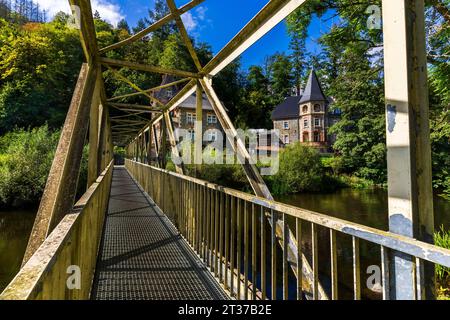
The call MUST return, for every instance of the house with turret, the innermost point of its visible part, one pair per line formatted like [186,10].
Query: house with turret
[307,117]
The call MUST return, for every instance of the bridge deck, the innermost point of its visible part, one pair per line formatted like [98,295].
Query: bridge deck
[143,256]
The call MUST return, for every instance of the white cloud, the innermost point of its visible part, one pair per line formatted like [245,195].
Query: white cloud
[108,10]
[189,21]
[193,21]
[201,11]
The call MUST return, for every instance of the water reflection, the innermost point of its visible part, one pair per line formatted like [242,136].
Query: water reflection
[367,207]
[15,228]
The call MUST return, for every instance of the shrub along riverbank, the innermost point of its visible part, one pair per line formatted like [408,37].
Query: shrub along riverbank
[25,160]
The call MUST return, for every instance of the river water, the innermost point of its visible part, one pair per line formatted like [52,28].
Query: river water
[368,207]
[15,228]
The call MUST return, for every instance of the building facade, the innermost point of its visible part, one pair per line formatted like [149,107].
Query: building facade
[184,116]
[306,118]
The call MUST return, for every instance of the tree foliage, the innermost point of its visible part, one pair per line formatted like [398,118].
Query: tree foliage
[34,58]
[351,68]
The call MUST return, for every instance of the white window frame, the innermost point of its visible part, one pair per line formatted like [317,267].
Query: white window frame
[286,139]
[212,135]
[319,124]
[286,125]
[212,118]
[305,123]
[191,117]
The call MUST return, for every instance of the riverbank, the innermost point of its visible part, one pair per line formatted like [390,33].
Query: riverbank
[15,229]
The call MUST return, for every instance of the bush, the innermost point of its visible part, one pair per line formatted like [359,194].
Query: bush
[229,175]
[442,239]
[25,161]
[24,165]
[300,170]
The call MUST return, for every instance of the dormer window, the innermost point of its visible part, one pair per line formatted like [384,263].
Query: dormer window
[317,108]
[305,109]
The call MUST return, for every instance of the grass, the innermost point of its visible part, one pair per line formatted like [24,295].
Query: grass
[442,239]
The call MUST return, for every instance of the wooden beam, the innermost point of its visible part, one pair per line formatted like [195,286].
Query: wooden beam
[139,107]
[153,27]
[408,141]
[147,68]
[173,143]
[128,121]
[198,154]
[122,78]
[60,189]
[93,170]
[149,90]
[257,183]
[87,31]
[184,34]
[273,13]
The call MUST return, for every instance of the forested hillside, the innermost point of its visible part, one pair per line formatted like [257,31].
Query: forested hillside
[39,65]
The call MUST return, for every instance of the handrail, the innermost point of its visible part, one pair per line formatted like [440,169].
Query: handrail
[72,243]
[214,219]
[423,250]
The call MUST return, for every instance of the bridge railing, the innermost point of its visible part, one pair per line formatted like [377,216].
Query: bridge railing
[228,229]
[63,266]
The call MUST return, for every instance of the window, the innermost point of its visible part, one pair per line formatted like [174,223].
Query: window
[169,93]
[286,139]
[317,122]
[305,137]
[316,137]
[305,109]
[305,123]
[212,118]
[212,135]
[286,125]
[317,108]
[190,118]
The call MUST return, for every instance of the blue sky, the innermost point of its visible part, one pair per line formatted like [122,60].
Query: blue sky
[214,22]
[217,21]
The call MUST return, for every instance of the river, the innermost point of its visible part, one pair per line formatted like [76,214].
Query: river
[367,207]
[15,228]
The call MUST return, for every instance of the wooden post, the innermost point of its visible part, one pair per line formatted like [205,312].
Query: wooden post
[408,140]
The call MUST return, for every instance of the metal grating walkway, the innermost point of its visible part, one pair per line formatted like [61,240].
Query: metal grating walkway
[142,255]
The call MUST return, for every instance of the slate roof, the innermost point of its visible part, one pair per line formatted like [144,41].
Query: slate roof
[313,90]
[191,102]
[288,109]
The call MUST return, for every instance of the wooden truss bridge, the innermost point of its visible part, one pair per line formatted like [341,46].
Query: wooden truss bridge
[141,232]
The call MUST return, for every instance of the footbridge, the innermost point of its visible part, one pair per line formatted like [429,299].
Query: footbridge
[142,232]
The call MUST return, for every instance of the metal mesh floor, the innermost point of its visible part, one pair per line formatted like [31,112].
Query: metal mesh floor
[142,255]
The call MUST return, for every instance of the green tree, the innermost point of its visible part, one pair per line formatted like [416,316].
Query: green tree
[33,58]
[300,170]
